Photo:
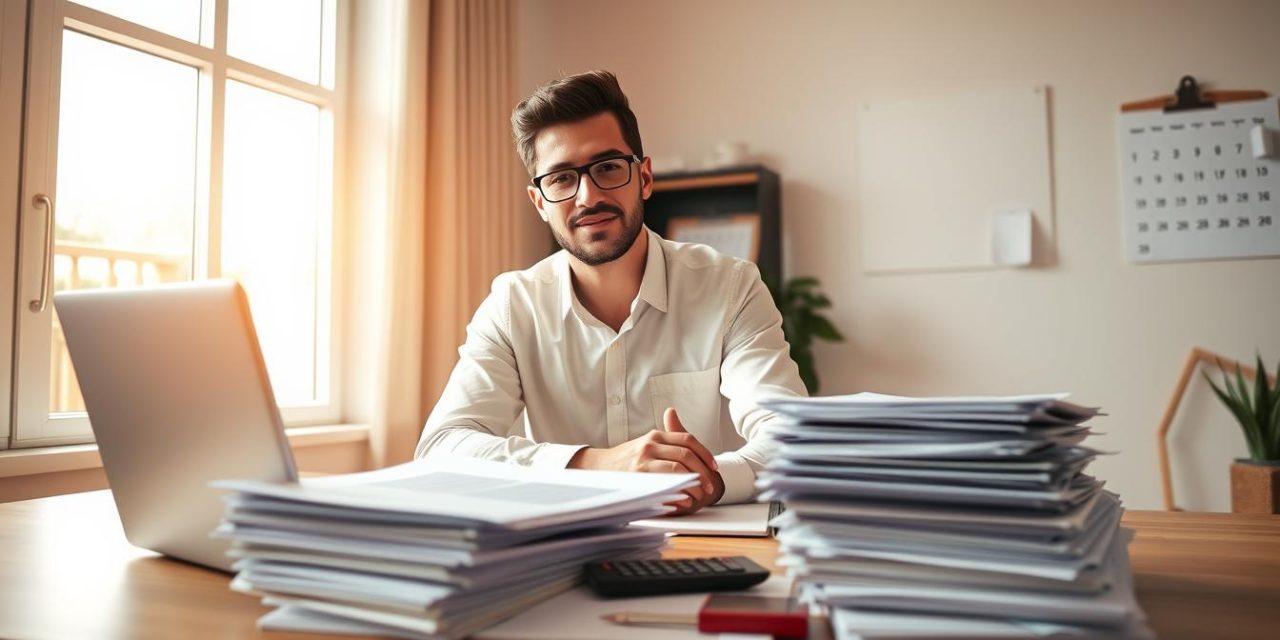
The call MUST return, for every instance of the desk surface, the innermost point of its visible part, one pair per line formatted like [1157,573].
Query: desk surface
[66,571]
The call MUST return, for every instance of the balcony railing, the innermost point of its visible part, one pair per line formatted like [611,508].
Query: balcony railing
[84,266]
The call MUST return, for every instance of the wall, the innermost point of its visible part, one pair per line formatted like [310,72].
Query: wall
[786,77]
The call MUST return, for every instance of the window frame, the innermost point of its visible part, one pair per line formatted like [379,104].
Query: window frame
[215,67]
[13,47]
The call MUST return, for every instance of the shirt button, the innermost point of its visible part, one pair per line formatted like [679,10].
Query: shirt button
[615,399]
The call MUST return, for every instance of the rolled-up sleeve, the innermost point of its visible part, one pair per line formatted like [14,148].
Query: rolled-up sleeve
[756,364]
[483,397]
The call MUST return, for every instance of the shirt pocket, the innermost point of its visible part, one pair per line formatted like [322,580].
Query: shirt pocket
[696,398]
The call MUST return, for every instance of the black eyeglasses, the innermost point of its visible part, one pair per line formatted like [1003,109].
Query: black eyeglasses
[607,173]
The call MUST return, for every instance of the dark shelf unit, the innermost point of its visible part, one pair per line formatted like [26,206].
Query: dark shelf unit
[722,193]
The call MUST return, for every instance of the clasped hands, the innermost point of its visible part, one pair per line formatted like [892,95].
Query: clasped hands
[672,450]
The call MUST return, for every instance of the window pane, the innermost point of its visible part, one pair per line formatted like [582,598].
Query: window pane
[126,177]
[272,185]
[179,18]
[282,35]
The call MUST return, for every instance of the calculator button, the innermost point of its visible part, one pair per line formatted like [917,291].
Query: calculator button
[633,578]
[731,564]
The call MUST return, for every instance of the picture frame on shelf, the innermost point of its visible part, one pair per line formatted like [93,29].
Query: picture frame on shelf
[736,234]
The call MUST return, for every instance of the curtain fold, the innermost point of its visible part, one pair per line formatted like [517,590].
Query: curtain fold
[433,209]
[474,226]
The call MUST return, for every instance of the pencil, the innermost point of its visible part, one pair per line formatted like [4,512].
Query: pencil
[643,619]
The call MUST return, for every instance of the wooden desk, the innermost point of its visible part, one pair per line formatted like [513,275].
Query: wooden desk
[66,571]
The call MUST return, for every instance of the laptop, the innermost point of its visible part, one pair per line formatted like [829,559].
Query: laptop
[177,395]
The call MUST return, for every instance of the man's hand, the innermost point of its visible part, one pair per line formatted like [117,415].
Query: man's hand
[671,422]
[673,450]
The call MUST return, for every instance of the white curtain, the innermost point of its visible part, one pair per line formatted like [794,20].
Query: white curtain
[432,205]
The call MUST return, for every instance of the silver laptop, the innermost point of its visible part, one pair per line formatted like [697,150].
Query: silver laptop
[178,396]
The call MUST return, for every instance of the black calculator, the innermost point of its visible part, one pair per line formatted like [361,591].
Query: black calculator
[632,578]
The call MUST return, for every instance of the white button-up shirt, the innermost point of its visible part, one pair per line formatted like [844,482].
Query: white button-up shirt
[704,336]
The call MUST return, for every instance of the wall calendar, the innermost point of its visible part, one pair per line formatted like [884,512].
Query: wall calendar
[1201,184]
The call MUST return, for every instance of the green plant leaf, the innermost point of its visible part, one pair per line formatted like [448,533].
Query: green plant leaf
[1232,390]
[823,328]
[797,301]
[1262,406]
[1275,422]
[797,285]
[1242,389]
[1261,390]
[1237,409]
[1270,423]
[799,335]
[808,372]
[1249,417]
[1275,417]
[820,302]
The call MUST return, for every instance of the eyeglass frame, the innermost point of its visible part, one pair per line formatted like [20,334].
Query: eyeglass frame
[585,169]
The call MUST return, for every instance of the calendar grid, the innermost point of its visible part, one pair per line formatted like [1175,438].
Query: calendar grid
[1192,186]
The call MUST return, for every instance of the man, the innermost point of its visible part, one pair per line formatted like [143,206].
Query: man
[627,352]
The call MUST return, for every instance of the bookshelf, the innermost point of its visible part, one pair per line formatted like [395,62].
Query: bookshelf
[727,194]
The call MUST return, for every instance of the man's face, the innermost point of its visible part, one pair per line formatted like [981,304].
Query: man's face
[596,226]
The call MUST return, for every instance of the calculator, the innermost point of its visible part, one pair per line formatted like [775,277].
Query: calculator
[632,578]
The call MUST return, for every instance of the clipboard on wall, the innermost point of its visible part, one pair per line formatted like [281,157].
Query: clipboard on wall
[1200,175]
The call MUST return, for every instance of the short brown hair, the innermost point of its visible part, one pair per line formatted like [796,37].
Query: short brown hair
[571,99]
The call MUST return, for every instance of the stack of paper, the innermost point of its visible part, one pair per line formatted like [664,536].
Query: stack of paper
[950,517]
[433,550]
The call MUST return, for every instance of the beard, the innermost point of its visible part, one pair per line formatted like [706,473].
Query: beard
[592,255]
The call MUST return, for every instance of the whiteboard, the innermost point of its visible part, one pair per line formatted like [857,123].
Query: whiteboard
[933,173]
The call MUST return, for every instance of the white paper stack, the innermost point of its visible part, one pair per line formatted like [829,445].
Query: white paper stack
[435,549]
[950,517]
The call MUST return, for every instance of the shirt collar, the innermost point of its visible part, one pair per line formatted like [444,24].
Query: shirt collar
[653,286]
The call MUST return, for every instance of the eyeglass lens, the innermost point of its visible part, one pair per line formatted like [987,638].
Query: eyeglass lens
[610,173]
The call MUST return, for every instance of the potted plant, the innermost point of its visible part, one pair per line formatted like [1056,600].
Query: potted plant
[800,304]
[1255,481]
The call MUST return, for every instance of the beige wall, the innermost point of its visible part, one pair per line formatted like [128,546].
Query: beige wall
[785,78]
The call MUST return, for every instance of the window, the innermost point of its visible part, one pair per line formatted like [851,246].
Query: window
[177,140]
